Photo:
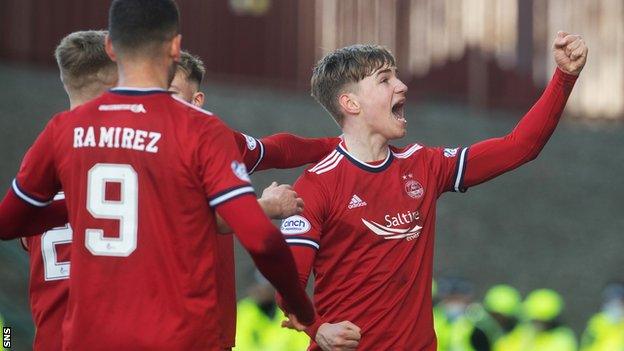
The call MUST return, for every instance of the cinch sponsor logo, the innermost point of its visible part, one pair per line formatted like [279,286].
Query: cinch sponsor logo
[389,230]
[295,225]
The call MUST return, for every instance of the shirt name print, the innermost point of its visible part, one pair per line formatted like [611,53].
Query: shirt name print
[116,137]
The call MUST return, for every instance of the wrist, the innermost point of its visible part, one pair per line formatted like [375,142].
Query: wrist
[312,329]
[268,207]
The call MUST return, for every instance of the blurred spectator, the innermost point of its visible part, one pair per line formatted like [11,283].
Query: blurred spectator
[503,303]
[462,324]
[544,330]
[605,330]
[258,322]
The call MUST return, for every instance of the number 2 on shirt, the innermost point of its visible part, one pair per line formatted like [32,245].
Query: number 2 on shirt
[125,210]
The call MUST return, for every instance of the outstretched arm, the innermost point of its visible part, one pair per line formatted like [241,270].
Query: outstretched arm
[282,150]
[490,158]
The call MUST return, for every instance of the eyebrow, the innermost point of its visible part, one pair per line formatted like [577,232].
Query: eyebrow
[386,70]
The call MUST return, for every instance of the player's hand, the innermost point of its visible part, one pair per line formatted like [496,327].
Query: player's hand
[293,323]
[280,201]
[570,52]
[343,336]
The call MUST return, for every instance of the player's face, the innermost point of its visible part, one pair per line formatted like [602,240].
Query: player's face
[186,90]
[381,97]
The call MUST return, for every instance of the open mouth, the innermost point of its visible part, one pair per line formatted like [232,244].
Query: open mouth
[398,111]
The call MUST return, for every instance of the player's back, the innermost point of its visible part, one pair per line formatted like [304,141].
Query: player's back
[135,172]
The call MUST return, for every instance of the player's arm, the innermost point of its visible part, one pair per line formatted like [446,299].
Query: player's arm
[302,234]
[26,209]
[277,202]
[19,218]
[282,150]
[490,158]
[226,184]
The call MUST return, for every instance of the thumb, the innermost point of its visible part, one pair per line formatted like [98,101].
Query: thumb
[560,40]
[273,185]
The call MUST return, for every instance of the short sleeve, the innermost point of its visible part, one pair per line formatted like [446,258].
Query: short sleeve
[449,166]
[37,179]
[305,229]
[251,150]
[223,174]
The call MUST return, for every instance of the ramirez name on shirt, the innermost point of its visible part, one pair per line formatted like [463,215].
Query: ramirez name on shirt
[117,137]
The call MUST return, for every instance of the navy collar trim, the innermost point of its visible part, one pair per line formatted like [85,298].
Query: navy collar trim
[138,91]
[365,166]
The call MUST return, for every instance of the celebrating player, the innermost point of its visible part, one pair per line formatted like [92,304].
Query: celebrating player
[137,167]
[367,230]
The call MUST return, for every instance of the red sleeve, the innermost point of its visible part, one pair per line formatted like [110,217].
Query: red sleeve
[223,175]
[269,252]
[303,232]
[283,150]
[18,218]
[493,157]
[37,180]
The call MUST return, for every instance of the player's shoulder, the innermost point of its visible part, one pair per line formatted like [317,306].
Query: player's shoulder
[199,117]
[327,166]
[418,150]
[409,151]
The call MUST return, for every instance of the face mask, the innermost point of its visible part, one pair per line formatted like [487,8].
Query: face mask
[614,310]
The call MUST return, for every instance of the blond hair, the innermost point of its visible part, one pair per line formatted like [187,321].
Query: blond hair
[338,69]
[85,67]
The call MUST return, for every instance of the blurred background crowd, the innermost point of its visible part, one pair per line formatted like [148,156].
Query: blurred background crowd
[503,320]
[473,68]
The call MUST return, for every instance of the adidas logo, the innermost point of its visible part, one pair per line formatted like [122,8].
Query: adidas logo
[356,202]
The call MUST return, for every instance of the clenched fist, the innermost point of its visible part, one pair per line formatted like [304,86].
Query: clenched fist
[570,52]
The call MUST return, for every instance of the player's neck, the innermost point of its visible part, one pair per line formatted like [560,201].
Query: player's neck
[367,149]
[143,74]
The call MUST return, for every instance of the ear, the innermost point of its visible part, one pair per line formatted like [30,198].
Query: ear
[176,47]
[198,99]
[108,46]
[348,102]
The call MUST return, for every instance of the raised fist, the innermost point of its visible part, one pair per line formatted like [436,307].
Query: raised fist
[570,52]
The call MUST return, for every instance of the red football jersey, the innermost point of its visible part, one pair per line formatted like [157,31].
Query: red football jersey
[137,166]
[49,284]
[371,228]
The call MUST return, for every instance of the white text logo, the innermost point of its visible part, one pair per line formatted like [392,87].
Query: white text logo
[389,231]
[295,225]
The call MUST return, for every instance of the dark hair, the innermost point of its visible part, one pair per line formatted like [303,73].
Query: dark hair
[342,67]
[136,24]
[192,66]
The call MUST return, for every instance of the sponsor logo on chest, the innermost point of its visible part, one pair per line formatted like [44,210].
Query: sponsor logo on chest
[402,225]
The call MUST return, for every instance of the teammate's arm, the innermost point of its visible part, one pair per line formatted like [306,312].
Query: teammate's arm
[268,251]
[282,150]
[226,184]
[26,209]
[302,234]
[277,202]
[490,158]
[18,218]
